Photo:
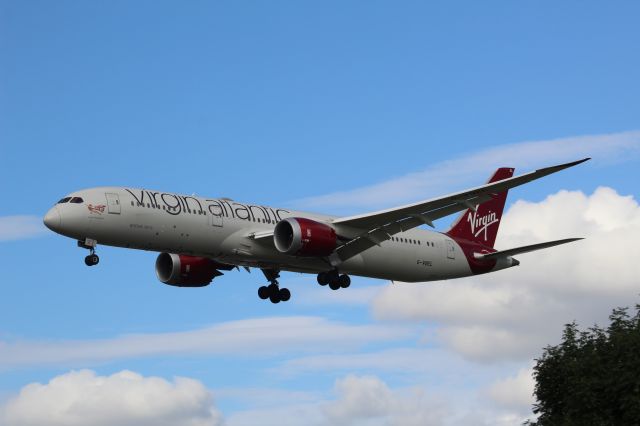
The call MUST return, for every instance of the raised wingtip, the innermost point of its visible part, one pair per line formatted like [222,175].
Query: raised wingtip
[566,165]
[575,163]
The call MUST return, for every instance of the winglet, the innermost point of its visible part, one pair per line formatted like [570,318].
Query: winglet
[559,167]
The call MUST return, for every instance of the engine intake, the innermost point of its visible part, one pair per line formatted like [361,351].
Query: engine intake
[304,237]
[187,271]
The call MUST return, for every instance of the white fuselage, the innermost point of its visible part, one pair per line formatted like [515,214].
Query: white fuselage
[223,230]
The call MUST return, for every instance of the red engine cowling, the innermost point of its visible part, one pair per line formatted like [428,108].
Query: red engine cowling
[187,271]
[304,237]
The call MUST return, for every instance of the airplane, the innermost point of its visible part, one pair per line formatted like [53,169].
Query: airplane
[198,237]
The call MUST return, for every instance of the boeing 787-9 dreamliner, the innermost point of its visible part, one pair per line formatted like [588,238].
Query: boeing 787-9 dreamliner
[199,237]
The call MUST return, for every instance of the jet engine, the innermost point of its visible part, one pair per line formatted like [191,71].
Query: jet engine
[187,271]
[304,237]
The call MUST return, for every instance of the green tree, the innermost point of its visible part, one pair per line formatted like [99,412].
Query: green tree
[592,377]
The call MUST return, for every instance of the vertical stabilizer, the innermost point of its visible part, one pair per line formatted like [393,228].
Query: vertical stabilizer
[481,225]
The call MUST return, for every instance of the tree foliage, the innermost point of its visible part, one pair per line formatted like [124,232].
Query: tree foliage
[592,377]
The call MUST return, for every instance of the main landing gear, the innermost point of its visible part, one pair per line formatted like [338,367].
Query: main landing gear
[92,259]
[273,292]
[334,279]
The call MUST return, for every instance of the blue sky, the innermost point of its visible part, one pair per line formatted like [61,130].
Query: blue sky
[335,107]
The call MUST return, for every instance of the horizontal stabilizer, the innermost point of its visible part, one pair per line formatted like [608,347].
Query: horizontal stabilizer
[524,249]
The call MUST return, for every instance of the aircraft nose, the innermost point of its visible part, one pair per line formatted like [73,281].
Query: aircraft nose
[52,219]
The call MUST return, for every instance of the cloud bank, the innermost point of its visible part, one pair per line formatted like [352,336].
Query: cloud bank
[252,336]
[126,398]
[512,314]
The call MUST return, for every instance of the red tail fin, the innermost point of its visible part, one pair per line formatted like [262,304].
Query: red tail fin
[481,226]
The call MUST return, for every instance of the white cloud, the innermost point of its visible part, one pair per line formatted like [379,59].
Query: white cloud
[450,175]
[512,314]
[359,400]
[122,399]
[260,336]
[514,392]
[408,361]
[491,343]
[20,227]
[359,397]
[368,400]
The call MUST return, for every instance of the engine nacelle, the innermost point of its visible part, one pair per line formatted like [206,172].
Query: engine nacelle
[304,237]
[187,271]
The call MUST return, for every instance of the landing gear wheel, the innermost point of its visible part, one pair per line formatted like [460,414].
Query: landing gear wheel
[91,260]
[334,285]
[263,292]
[285,294]
[323,278]
[344,281]
[274,292]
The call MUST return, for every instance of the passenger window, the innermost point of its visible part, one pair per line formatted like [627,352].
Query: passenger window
[76,200]
[64,200]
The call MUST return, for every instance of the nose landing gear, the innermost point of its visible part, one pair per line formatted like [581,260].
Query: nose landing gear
[273,292]
[334,279]
[92,259]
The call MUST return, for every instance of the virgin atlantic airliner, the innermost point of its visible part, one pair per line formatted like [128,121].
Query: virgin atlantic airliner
[199,237]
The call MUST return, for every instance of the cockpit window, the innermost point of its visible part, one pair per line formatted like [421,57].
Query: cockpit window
[76,200]
[64,200]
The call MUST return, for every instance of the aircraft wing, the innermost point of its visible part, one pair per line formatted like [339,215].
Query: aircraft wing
[381,225]
[524,249]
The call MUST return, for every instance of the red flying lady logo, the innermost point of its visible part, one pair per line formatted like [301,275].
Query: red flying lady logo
[99,209]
